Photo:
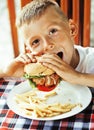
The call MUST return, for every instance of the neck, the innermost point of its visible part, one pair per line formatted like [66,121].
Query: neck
[75,59]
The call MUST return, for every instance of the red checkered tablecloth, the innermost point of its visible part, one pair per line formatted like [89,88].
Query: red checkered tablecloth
[11,121]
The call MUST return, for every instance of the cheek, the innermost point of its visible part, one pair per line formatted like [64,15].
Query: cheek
[37,51]
[67,48]
[59,38]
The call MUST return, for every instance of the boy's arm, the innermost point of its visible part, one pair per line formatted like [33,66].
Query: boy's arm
[84,79]
[2,73]
[16,67]
[66,72]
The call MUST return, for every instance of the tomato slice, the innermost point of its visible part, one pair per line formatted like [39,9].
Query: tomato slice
[46,89]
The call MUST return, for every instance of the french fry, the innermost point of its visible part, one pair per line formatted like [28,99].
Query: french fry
[53,93]
[53,114]
[31,104]
[30,93]
[20,98]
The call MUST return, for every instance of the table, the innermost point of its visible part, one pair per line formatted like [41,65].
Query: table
[11,121]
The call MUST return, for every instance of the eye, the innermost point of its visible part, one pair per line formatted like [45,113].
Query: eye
[35,42]
[53,31]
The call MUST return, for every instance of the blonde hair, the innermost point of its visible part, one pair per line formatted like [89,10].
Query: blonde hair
[35,9]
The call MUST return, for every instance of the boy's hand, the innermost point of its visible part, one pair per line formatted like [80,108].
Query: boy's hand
[55,63]
[25,58]
[16,66]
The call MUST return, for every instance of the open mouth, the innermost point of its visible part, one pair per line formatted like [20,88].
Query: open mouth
[60,54]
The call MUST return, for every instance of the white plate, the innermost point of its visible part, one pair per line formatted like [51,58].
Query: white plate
[66,92]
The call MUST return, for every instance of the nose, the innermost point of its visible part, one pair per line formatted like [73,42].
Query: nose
[49,44]
[49,47]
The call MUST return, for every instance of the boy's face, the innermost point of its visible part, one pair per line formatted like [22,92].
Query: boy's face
[49,34]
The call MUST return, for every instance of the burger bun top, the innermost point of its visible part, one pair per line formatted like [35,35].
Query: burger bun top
[36,69]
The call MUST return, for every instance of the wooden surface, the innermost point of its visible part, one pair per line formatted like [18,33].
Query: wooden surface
[14,35]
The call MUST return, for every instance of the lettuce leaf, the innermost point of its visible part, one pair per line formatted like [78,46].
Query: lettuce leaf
[32,84]
[31,77]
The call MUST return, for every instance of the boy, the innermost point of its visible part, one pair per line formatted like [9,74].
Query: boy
[48,34]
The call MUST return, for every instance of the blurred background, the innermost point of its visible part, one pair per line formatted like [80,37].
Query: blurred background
[6,46]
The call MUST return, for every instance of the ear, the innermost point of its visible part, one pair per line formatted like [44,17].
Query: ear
[73,28]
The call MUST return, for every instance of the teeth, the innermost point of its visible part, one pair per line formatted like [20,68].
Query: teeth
[60,54]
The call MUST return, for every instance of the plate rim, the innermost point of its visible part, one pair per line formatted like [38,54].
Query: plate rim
[62,116]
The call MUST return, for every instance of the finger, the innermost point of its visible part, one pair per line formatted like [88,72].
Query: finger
[50,58]
[31,57]
[54,68]
[54,62]
[22,60]
[26,58]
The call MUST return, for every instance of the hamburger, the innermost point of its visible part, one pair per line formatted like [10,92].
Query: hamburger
[41,77]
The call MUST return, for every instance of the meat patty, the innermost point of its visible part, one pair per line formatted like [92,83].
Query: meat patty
[47,80]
